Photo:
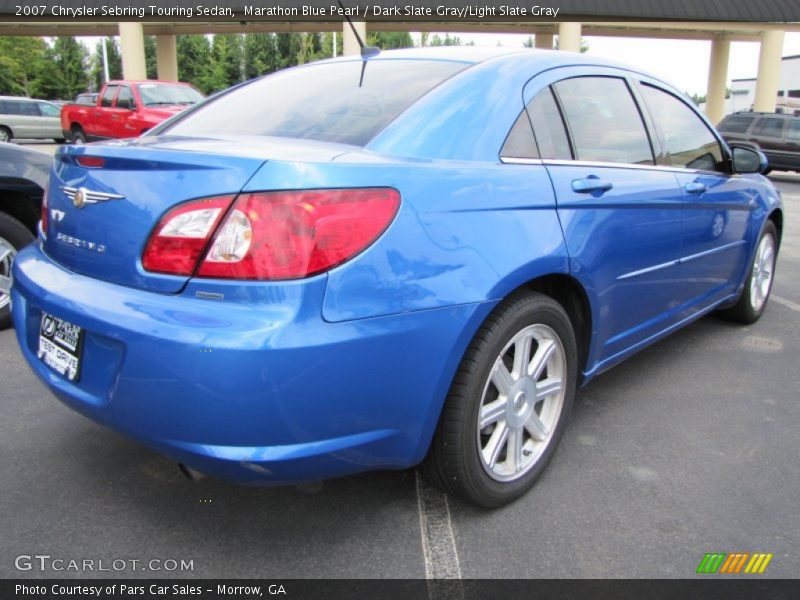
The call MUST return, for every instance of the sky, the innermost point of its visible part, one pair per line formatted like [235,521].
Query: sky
[687,64]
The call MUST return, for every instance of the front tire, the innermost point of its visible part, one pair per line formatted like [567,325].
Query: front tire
[13,236]
[508,404]
[753,301]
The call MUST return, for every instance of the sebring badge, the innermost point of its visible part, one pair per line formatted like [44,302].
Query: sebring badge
[81,196]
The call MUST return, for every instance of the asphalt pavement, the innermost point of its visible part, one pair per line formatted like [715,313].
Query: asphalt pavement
[689,447]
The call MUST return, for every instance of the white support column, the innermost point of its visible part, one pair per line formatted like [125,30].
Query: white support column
[349,41]
[543,40]
[167,57]
[131,41]
[769,71]
[717,79]
[569,37]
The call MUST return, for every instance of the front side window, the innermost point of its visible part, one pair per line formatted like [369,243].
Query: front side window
[347,102]
[793,131]
[604,120]
[548,126]
[125,98]
[689,142]
[769,127]
[108,96]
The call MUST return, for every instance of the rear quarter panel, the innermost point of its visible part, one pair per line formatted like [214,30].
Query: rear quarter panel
[466,232]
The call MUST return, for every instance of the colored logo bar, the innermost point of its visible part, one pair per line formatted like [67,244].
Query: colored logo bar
[734,563]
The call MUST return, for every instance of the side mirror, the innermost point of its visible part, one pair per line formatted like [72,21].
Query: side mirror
[125,103]
[748,159]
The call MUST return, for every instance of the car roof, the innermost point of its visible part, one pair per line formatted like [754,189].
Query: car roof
[533,60]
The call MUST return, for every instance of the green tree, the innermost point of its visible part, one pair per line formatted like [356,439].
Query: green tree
[327,44]
[260,54]
[22,60]
[447,40]
[288,49]
[194,61]
[584,45]
[114,62]
[386,40]
[150,57]
[227,58]
[66,72]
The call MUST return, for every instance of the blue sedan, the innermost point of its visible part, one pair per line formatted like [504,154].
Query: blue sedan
[370,263]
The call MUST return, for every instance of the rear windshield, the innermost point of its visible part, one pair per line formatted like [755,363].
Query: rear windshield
[333,102]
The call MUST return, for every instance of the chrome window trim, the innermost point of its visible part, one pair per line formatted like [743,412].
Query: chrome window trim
[613,165]
[510,160]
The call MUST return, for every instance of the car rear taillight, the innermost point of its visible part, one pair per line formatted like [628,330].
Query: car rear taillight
[44,210]
[182,235]
[279,235]
[92,162]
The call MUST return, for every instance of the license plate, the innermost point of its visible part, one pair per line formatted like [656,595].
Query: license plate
[60,344]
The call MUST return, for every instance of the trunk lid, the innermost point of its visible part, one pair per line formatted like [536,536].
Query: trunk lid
[100,218]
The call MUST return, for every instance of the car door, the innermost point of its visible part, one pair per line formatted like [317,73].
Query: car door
[24,116]
[620,214]
[767,132]
[792,140]
[124,114]
[50,122]
[101,115]
[718,205]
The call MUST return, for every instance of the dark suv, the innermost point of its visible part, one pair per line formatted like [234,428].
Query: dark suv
[777,135]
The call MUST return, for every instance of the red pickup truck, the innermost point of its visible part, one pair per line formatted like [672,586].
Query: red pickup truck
[126,109]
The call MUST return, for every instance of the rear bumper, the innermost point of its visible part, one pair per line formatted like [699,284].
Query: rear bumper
[258,391]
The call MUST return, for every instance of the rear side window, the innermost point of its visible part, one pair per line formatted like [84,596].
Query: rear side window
[689,142]
[548,126]
[520,142]
[108,96]
[604,121]
[333,102]
[49,110]
[769,127]
[735,124]
[793,131]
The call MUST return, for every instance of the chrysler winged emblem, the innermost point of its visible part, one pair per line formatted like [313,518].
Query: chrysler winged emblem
[81,196]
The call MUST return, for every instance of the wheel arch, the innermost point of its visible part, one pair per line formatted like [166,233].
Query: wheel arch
[776,216]
[571,295]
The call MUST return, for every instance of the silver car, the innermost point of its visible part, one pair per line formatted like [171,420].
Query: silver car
[29,119]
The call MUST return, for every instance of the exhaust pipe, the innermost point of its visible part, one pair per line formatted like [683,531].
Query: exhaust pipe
[190,473]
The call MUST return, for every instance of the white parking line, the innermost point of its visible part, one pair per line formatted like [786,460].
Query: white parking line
[438,543]
[785,302]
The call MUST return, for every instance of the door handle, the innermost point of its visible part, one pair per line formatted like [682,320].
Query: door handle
[695,188]
[591,184]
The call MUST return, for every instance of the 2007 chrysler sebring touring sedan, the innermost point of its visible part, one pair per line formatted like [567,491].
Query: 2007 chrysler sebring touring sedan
[370,263]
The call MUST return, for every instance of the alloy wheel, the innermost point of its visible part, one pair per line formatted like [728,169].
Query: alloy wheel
[521,403]
[763,268]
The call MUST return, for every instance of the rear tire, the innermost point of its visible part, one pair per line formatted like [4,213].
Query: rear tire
[5,134]
[507,379]
[13,236]
[758,285]
[78,136]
